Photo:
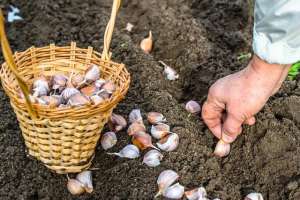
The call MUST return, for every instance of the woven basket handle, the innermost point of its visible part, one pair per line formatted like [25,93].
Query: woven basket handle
[109,30]
[8,56]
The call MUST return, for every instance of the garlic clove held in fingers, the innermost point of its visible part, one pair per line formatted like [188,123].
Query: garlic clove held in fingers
[135,116]
[196,194]
[129,151]
[165,179]
[147,43]
[169,143]
[160,130]
[92,73]
[78,100]
[85,178]
[192,107]
[222,149]
[155,117]
[175,191]
[152,158]
[75,187]
[136,127]
[117,122]
[108,140]
[254,196]
[143,141]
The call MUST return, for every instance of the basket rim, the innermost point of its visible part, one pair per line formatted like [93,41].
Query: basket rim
[102,107]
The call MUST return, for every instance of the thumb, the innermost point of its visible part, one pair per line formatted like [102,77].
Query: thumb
[231,128]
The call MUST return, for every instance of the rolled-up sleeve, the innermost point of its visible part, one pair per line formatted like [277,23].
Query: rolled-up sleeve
[276,32]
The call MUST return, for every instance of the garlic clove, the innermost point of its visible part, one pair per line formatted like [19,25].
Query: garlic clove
[42,82]
[109,87]
[155,117]
[97,99]
[147,43]
[89,90]
[222,149]
[40,91]
[254,196]
[170,73]
[135,128]
[99,83]
[108,140]
[175,191]
[169,143]
[160,130]
[75,187]
[68,92]
[135,116]
[129,151]
[85,178]
[192,107]
[77,80]
[196,194]
[59,81]
[51,101]
[165,179]
[92,73]
[117,122]
[143,141]
[152,158]
[78,100]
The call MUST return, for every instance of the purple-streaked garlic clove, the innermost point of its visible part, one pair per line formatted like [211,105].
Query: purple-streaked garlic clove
[117,122]
[165,179]
[222,149]
[78,99]
[77,80]
[143,140]
[97,99]
[92,73]
[85,178]
[147,43]
[152,158]
[108,140]
[175,191]
[68,92]
[159,131]
[41,81]
[192,107]
[169,143]
[40,91]
[130,151]
[155,117]
[59,81]
[136,127]
[99,83]
[135,116]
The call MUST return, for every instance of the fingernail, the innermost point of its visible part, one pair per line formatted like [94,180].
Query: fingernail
[227,138]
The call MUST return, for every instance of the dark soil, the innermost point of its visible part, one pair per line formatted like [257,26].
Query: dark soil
[201,39]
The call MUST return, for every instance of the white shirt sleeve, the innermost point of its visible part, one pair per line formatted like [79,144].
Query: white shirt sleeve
[276,31]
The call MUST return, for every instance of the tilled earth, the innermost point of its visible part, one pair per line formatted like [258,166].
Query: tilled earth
[202,40]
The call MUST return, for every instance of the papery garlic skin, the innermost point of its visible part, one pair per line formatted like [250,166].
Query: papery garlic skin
[92,73]
[165,179]
[143,140]
[78,100]
[152,158]
[99,83]
[155,117]
[192,107]
[169,143]
[108,140]
[109,87]
[160,130]
[85,178]
[196,194]
[135,116]
[118,122]
[129,151]
[175,191]
[170,73]
[75,187]
[59,81]
[68,92]
[97,99]
[135,128]
[77,80]
[222,149]
[129,27]
[147,43]
[254,196]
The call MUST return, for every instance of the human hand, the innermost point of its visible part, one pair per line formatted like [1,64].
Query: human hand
[235,99]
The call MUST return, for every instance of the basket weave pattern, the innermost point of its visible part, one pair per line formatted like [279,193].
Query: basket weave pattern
[64,139]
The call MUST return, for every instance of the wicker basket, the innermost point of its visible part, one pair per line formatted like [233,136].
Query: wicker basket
[64,139]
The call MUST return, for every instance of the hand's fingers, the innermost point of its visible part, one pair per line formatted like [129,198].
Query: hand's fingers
[250,121]
[212,114]
[231,128]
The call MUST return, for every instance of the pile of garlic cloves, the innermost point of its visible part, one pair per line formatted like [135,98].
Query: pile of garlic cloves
[74,90]
[82,183]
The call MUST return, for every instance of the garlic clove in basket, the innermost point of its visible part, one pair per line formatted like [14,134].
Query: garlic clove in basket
[78,100]
[40,91]
[160,130]
[222,149]
[40,81]
[102,93]
[135,116]
[152,158]
[143,141]
[109,87]
[97,99]
[192,107]
[85,178]
[89,90]
[165,179]
[99,83]
[51,101]
[117,122]
[108,140]
[75,187]
[59,81]
[68,92]
[129,151]
[136,127]
[196,194]
[175,191]
[169,143]
[155,117]
[254,196]
[147,43]
[92,73]
[77,80]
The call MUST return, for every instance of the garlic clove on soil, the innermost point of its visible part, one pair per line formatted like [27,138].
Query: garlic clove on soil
[136,127]
[117,122]
[160,130]
[78,100]
[165,179]
[75,187]
[152,158]
[108,140]
[147,43]
[170,73]
[254,196]
[169,143]
[155,117]
[143,141]
[175,191]
[192,107]
[85,178]
[222,149]
[135,116]
[92,73]
[129,151]
[196,194]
